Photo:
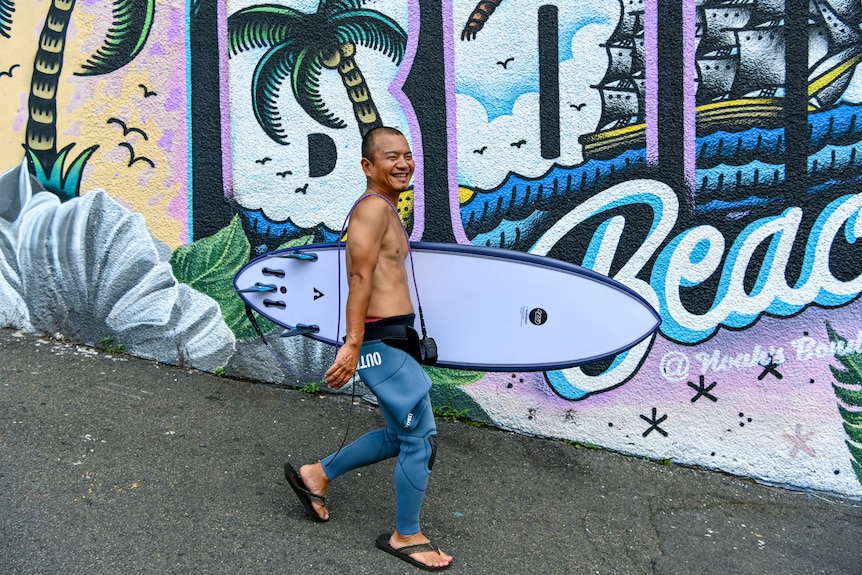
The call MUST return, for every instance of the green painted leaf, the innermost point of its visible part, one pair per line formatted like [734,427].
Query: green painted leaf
[844,376]
[453,377]
[209,266]
[857,467]
[854,432]
[452,399]
[296,242]
[851,417]
[850,397]
[855,452]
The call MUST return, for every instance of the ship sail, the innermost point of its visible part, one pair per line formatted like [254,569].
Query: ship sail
[838,23]
[740,48]
[761,62]
[623,88]
[715,76]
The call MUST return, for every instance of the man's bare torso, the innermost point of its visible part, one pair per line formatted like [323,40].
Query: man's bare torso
[390,294]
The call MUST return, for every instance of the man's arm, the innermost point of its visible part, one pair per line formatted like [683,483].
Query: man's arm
[364,240]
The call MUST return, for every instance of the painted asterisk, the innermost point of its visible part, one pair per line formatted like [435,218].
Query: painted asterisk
[799,441]
[703,390]
[654,423]
[771,367]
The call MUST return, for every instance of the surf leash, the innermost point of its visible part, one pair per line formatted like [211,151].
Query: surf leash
[297,330]
[339,242]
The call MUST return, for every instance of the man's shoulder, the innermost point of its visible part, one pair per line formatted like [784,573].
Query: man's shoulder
[372,205]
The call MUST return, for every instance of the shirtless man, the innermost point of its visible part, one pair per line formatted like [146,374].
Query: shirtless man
[379,297]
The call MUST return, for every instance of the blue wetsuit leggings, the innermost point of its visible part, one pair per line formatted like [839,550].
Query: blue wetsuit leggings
[415,445]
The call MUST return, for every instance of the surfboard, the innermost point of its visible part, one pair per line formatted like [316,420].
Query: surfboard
[488,309]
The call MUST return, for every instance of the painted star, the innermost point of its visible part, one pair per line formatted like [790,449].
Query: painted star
[799,441]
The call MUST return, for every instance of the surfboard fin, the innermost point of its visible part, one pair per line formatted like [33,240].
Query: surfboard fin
[298,255]
[259,287]
[300,329]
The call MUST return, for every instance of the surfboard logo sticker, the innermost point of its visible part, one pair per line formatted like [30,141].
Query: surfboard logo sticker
[538,316]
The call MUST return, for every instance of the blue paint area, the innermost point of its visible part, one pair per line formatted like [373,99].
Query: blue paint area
[736,172]
[273,234]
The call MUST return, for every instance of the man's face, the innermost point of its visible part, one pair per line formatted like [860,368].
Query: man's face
[393,164]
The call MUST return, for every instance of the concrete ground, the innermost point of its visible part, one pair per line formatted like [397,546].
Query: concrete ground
[118,465]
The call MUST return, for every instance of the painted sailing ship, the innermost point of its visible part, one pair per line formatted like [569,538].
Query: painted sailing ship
[739,56]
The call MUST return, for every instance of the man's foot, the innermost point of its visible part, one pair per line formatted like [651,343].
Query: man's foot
[310,486]
[414,549]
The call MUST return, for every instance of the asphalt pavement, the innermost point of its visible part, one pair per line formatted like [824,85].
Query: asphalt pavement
[111,464]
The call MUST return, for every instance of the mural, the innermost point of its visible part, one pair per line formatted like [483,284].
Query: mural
[704,153]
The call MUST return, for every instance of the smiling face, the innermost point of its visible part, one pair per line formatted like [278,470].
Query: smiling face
[392,167]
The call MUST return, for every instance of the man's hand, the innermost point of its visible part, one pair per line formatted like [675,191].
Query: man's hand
[343,367]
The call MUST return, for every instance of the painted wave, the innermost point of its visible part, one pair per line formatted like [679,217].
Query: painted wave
[735,172]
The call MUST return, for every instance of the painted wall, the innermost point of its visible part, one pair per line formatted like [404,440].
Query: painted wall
[703,153]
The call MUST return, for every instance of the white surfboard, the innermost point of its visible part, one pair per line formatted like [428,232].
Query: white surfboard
[488,309]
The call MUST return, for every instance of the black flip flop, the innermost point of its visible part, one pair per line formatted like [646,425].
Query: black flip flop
[404,553]
[305,496]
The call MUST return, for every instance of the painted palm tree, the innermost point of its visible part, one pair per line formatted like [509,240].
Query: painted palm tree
[132,20]
[478,17]
[300,45]
[6,9]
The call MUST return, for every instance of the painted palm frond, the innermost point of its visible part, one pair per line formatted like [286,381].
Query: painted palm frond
[269,75]
[262,27]
[849,394]
[64,183]
[306,89]
[338,6]
[6,9]
[302,45]
[372,30]
[130,28]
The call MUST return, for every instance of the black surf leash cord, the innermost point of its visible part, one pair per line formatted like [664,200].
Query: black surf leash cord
[254,324]
[338,322]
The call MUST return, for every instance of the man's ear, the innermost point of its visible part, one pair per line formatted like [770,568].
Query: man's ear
[366,166]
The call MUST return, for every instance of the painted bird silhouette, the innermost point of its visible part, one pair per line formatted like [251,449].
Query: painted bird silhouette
[505,63]
[578,107]
[284,174]
[9,73]
[126,129]
[518,144]
[302,190]
[481,150]
[262,161]
[147,91]
[134,159]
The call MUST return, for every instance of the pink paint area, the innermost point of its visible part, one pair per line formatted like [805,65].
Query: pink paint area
[166,142]
[176,31]
[396,90]
[224,88]
[176,99]
[156,49]
[774,361]
[178,209]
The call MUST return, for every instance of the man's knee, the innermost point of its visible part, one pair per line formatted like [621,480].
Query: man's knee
[432,442]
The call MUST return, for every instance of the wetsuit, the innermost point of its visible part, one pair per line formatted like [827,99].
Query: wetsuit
[393,375]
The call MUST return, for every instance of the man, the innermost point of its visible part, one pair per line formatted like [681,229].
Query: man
[379,312]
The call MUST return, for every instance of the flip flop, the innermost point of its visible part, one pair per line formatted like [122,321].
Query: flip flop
[305,496]
[404,553]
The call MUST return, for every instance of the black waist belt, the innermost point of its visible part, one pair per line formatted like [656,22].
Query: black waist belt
[395,327]
[395,331]
[384,332]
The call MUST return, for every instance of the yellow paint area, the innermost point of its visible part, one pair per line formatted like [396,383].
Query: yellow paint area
[85,104]
[465,194]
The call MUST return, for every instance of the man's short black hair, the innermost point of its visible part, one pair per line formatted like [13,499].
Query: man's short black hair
[370,137]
